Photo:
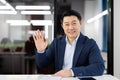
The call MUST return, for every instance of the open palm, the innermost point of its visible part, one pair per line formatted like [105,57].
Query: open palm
[40,42]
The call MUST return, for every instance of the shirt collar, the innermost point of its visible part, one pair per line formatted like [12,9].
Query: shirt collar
[74,40]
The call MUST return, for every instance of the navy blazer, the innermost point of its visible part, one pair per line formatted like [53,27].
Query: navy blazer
[87,59]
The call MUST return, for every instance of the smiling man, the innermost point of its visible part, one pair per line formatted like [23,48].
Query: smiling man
[73,54]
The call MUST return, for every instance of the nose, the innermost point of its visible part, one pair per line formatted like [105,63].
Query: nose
[70,27]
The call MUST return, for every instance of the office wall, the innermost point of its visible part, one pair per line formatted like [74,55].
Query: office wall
[78,5]
[93,29]
[117,38]
[3,27]
[12,32]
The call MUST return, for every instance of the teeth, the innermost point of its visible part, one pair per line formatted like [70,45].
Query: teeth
[72,32]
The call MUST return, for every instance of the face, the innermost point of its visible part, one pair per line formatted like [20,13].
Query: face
[71,26]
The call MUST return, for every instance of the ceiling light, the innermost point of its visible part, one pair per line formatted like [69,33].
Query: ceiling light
[8,12]
[4,7]
[41,22]
[36,12]
[3,1]
[18,22]
[97,16]
[33,7]
[7,4]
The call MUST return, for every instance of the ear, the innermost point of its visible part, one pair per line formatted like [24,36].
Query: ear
[81,23]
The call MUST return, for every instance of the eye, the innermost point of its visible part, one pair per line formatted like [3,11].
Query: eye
[74,23]
[66,24]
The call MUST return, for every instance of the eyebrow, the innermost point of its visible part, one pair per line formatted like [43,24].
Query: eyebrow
[72,21]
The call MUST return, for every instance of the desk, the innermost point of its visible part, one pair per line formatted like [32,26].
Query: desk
[47,77]
[33,77]
[106,77]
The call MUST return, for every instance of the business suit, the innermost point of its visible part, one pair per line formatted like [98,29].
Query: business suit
[87,60]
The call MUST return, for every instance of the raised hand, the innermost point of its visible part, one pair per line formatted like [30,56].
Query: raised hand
[40,42]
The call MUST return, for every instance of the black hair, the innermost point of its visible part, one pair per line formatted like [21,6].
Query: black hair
[70,13]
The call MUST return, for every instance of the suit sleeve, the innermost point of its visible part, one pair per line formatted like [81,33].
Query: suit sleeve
[44,59]
[96,63]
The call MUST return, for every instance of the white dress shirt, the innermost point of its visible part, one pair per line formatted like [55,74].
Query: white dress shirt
[69,53]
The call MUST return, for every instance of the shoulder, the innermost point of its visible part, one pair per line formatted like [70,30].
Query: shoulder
[87,40]
[58,40]
[90,44]
[90,40]
[61,38]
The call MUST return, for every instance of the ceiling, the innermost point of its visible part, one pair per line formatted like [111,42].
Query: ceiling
[14,3]
[28,1]
[10,5]
[31,2]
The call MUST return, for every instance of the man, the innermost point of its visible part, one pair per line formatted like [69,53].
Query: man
[73,54]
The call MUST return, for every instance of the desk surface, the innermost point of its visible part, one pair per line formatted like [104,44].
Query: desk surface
[48,77]
[106,77]
[33,77]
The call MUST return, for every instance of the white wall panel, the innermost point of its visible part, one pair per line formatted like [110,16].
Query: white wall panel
[117,38]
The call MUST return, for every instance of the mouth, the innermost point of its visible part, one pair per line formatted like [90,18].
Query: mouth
[71,32]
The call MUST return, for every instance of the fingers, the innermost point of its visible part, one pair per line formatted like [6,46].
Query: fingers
[34,37]
[38,35]
[42,35]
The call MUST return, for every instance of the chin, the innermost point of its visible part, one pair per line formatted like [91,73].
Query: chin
[71,36]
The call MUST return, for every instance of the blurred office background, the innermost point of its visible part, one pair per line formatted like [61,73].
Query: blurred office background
[19,19]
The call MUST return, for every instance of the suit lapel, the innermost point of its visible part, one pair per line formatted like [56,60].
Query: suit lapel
[79,46]
[62,52]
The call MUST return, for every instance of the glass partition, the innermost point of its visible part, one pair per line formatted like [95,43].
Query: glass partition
[19,19]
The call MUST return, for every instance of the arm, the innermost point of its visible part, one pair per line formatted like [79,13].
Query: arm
[42,56]
[96,63]
[45,58]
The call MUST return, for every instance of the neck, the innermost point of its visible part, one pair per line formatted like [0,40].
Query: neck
[70,40]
